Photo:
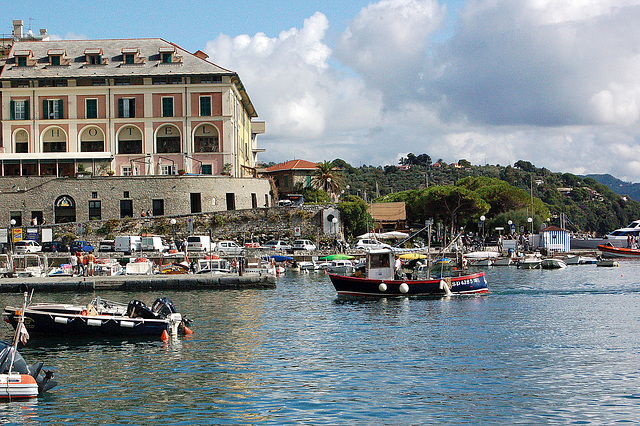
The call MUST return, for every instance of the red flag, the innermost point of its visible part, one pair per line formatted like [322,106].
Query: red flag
[24,334]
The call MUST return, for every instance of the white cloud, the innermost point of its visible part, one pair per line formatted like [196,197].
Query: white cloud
[554,82]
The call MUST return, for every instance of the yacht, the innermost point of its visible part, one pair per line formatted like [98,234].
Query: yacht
[632,229]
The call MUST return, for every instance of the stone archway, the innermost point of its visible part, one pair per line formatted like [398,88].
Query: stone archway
[64,209]
[206,139]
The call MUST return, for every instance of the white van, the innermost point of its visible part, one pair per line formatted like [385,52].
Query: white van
[153,243]
[199,243]
[127,244]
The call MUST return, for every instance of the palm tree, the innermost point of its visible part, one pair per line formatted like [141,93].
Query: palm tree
[327,177]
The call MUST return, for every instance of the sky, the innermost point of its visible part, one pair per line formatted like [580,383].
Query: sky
[553,82]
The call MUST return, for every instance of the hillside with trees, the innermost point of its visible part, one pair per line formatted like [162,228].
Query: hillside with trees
[459,193]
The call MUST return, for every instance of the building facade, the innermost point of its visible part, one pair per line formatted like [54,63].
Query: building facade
[107,127]
[127,107]
[289,176]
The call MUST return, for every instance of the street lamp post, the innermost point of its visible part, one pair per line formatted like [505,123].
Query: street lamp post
[12,222]
[173,226]
[482,219]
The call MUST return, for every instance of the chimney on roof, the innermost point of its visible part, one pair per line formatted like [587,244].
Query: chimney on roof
[200,54]
[17,29]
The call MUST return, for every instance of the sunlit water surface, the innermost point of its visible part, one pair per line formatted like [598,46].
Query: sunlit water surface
[542,346]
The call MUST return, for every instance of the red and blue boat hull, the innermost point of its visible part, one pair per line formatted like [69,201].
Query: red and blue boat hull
[356,286]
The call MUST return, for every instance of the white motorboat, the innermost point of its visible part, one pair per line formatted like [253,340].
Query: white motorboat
[504,261]
[28,265]
[552,263]
[529,263]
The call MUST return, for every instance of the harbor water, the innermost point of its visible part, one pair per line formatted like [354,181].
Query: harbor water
[543,346]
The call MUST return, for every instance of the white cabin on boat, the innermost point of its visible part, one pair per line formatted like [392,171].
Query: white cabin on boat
[380,265]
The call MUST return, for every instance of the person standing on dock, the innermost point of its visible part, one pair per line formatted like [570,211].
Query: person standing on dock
[80,259]
[90,263]
[74,264]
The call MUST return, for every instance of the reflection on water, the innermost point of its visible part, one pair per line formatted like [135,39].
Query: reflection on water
[542,346]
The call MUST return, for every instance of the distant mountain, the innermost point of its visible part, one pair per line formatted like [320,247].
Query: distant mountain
[618,186]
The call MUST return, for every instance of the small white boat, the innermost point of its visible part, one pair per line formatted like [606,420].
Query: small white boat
[341,267]
[503,261]
[213,266]
[529,263]
[580,260]
[482,262]
[64,270]
[17,379]
[139,266]
[28,265]
[552,263]
[607,263]
[108,267]
[479,255]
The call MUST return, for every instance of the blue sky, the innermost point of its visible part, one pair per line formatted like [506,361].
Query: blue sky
[554,82]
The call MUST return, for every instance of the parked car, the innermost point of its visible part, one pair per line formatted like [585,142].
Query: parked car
[54,246]
[371,244]
[107,245]
[229,248]
[277,245]
[199,243]
[303,245]
[80,245]
[27,246]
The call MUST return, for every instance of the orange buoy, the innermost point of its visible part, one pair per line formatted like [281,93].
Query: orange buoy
[187,330]
[165,335]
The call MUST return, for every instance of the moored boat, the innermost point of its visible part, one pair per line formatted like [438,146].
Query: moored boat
[380,280]
[552,263]
[610,251]
[17,379]
[100,318]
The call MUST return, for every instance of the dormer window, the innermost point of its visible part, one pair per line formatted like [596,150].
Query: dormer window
[168,55]
[24,58]
[58,57]
[131,56]
[94,57]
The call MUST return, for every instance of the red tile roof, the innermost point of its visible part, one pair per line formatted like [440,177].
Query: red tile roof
[293,164]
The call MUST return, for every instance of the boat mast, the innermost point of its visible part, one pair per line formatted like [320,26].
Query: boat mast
[18,331]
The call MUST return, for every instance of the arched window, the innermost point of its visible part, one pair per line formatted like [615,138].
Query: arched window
[130,140]
[206,139]
[21,139]
[54,140]
[65,209]
[92,140]
[168,140]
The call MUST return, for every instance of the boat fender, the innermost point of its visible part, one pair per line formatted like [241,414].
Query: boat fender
[84,312]
[165,336]
[404,288]
[382,287]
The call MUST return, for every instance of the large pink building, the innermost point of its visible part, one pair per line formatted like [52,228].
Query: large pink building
[123,107]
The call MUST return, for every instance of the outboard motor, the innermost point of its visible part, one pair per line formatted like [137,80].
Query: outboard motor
[137,309]
[163,307]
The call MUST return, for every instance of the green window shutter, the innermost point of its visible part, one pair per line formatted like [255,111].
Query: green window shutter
[120,108]
[26,109]
[132,107]
[167,107]
[92,108]
[12,105]
[60,111]
[45,110]
[205,106]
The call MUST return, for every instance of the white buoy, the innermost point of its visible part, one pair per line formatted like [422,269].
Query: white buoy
[444,286]
[404,288]
[382,287]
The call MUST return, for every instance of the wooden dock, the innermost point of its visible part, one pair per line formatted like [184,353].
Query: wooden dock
[138,283]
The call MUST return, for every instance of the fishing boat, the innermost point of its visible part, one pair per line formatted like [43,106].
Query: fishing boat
[108,267]
[18,380]
[610,251]
[28,265]
[381,280]
[213,265]
[100,317]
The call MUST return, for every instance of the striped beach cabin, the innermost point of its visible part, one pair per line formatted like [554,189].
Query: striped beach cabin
[556,239]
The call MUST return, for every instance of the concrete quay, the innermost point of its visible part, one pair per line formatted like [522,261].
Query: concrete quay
[138,283]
